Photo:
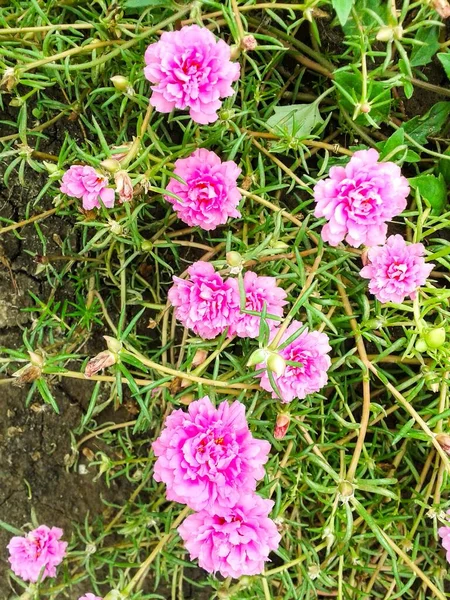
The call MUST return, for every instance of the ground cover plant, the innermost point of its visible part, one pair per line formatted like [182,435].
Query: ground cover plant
[224,249]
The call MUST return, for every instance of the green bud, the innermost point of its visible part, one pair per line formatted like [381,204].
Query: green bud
[114,346]
[421,345]
[111,165]
[234,259]
[258,356]
[345,490]
[147,246]
[276,364]
[120,82]
[435,338]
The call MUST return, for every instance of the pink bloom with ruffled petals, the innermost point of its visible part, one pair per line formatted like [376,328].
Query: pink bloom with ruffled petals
[396,270]
[39,550]
[205,302]
[90,596]
[444,534]
[86,183]
[233,541]
[357,200]
[259,292]
[190,69]
[209,195]
[310,348]
[207,455]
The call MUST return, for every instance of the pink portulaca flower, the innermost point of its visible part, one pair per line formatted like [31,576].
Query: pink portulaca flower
[259,292]
[310,349]
[357,200]
[396,270]
[234,541]
[90,596]
[87,184]
[208,455]
[39,550]
[210,194]
[205,302]
[444,534]
[190,69]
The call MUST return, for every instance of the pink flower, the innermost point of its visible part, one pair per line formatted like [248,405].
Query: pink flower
[234,540]
[205,302]
[191,69]
[86,183]
[444,534]
[359,198]
[310,349]
[210,194]
[90,596]
[39,550]
[207,455]
[259,292]
[396,270]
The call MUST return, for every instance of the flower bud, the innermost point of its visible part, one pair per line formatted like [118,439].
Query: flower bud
[281,425]
[111,165]
[398,32]
[365,108]
[124,187]
[314,571]
[122,84]
[421,345]
[235,52]
[444,442]
[9,80]
[435,338]
[248,43]
[276,364]
[147,246]
[98,363]
[345,491]
[199,357]
[114,595]
[442,7]
[385,34]
[279,245]
[258,356]
[234,259]
[116,228]
[114,345]
[27,374]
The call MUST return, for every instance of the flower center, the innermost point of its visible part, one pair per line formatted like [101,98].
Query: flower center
[397,270]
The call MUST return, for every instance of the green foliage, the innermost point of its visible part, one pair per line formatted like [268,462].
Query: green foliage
[444,57]
[433,189]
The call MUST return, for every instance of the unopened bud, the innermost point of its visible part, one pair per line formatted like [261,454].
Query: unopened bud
[365,108]
[27,374]
[421,345]
[345,491]
[52,169]
[259,356]
[199,357]
[314,571]
[111,165]
[435,338]
[385,34]
[276,364]
[248,43]
[235,52]
[444,442]
[279,245]
[36,359]
[432,380]
[122,84]
[116,228]
[375,323]
[101,361]
[124,186]
[147,246]
[281,425]
[398,32]
[114,345]
[9,80]
[186,399]
[234,259]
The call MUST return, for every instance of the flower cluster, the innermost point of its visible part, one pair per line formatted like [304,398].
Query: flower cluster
[210,461]
[208,194]
[208,304]
[91,187]
[37,554]
[190,69]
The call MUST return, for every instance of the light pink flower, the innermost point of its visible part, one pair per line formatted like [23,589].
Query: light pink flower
[234,541]
[444,534]
[357,200]
[396,270]
[259,292]
[310,349]
[207,455]
[205,302]
[86,183]
[90,596]
[191,69]
[210,194]
[39,550]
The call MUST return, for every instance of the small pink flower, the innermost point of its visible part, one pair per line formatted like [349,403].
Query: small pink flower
[234,541]
[444,534]
[259,292]
[210,194]
[310,349]
[90,596]
[39,550]
[205,302]
[396,270]
[357,200]
[191,69]
[207,455]
[86,183]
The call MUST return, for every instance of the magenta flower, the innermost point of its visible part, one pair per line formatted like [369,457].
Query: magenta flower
[259,292]
[210,194]
[208,455]
[357,200]
[234,541]
[39,550]
[190,69]
[205,302]
[90,596]
[444,534]
[86,183]
[310,349]
[396,270]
